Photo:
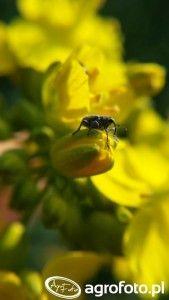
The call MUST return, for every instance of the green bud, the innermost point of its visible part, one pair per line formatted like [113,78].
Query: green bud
[13,246]
[33,283]
[105,232]
[11,236]
[60,211]
[26,195]
[11,286]
[55,209]
[12,165]
[43,136]
[124,214]
[74,227]
[82,155]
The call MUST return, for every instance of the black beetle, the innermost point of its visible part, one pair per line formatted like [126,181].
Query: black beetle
[100,123]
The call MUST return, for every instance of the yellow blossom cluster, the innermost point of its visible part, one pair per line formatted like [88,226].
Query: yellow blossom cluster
[77,56]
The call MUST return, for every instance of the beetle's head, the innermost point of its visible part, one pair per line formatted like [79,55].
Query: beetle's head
[112,121]
[85,122]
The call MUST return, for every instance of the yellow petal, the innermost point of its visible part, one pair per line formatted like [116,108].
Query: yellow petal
[148,164]
[35,46]
[147,127]
[57,13]
[119,186]
[147,243]
[66,93]
[109,40]
[147,78]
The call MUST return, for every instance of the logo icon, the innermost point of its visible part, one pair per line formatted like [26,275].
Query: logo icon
[62,287]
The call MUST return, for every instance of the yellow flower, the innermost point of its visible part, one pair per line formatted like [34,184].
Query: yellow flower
[66,93]
[110,37]
[34,46]
[146,126]
[147,243]
[57,13]
[44,36]
[81,155]
[137,173]
[146,78]
[85,86]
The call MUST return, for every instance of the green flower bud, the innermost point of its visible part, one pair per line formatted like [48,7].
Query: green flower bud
[43,137]
[13,246]
[146,79]
[55,209]
[12,165]
[124,215]
[26,195]
[82,155]
[11,286]
[11,236]
[32,281]
[74,228]
[105,233]
[57,212]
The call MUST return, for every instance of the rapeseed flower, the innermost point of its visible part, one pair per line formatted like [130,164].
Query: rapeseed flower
[110,198]
[146,242]
[42,36]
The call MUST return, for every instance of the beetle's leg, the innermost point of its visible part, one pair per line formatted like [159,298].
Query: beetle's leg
[107,138]
[78,129]
[115,135]
[115,131]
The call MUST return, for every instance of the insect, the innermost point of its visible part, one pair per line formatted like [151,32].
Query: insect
[100,123]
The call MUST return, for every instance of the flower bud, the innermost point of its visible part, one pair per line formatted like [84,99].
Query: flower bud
[54,210]
[11,236]
[32,281]
[12,165]
[11,286]
[26,195]
[82,155]
[13,246]
[105,232]
[77,265]
[146,79]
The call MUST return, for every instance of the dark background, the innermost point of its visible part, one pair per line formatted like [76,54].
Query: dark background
[145,24]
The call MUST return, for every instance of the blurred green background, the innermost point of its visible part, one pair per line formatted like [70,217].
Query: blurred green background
[145,25]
